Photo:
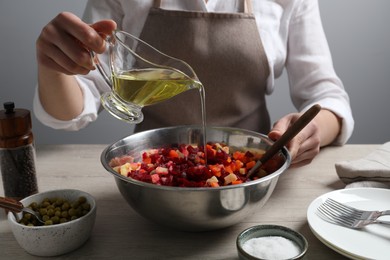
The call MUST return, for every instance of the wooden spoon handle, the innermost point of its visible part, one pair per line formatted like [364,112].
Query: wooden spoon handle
[11,205]
[292,131]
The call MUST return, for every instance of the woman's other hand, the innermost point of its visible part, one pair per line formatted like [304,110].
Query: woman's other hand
[305,146]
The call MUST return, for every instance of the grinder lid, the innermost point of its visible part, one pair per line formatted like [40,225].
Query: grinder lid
[15,126]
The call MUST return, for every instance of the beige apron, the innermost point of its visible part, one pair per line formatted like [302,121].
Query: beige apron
[226,53]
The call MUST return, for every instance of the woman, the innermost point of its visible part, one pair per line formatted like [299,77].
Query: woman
[237,48]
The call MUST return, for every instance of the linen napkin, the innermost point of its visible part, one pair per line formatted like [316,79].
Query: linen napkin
[372,170]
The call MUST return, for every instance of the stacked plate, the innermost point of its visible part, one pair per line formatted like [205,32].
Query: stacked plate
[371,242]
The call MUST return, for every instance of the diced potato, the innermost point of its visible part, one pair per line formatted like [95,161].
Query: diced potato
[230,178]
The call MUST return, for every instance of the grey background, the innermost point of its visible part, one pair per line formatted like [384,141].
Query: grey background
[357,32]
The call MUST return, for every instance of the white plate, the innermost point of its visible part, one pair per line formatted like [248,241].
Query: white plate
[371,242]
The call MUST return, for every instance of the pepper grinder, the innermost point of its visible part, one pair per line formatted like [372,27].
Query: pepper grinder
[17,152]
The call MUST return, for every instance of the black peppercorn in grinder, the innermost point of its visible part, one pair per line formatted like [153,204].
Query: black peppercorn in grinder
[17,152]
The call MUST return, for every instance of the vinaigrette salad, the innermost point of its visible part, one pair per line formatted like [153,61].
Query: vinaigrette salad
[184,165]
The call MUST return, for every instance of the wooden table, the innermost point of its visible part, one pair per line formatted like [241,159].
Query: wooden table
[121,233]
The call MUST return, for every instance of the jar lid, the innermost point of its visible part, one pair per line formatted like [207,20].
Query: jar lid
[14,124]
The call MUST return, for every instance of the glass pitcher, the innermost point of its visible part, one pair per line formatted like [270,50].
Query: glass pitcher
[141,75]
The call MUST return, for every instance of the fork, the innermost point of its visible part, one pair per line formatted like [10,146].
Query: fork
[347,216]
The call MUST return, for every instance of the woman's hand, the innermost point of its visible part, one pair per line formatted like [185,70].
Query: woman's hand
[63,50]
[64,43]
[321,131]
[305,145]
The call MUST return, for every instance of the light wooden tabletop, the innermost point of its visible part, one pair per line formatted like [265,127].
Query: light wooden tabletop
[120,233]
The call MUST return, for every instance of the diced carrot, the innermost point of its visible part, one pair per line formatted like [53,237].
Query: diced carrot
[233,166]
[237,155]
[239,164]
[211,149]
[250,164]
[147,160]
[173,154]
[214,184]
[236,182]
[216,170]
[228,169]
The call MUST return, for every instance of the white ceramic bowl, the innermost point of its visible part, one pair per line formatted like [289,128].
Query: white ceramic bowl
[55,239]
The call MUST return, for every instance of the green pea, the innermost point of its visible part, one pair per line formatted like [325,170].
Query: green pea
[50,212]
[65,206]
[63,220]
[55,219]
[45,204]
[34,206]
[72,212]
[59,201]
[48,222]
[64,214]
[43,211]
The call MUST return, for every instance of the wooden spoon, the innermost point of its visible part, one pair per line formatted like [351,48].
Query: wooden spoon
[292,131]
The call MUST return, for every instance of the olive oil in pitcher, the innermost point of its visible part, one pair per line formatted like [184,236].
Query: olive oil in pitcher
[141,75]
[145,87]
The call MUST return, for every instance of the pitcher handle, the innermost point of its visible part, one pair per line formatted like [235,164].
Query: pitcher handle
[96,62]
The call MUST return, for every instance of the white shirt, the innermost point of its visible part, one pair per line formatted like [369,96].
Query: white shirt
[292,35]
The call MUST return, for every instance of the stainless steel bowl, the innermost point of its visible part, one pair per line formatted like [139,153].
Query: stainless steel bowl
[193,209]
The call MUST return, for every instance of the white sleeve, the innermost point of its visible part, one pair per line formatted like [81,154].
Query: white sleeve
[310,69]
[89,114]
